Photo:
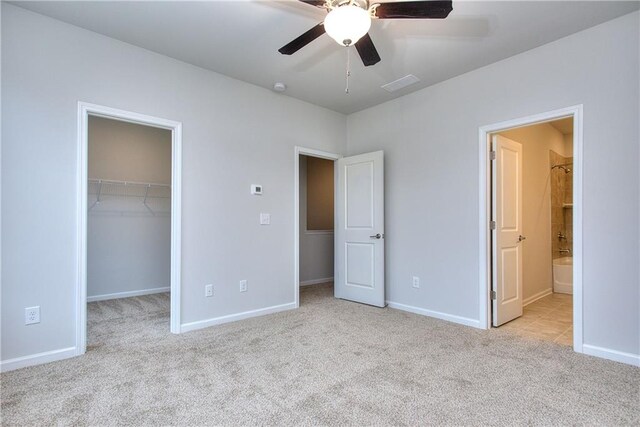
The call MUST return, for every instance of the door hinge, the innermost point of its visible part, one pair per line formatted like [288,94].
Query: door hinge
[492,155]
[492,225]
[493,295]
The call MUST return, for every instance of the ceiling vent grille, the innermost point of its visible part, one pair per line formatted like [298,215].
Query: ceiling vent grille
[400,83]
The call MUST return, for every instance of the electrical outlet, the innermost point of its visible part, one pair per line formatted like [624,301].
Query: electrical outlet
[243,286]
[32,315]
[416,282]
[208,291]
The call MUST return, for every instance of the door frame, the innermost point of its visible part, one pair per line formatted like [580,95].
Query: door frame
[484,210]
[298,151]
[84,111]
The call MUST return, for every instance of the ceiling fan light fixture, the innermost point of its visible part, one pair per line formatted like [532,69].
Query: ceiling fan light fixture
[347,24]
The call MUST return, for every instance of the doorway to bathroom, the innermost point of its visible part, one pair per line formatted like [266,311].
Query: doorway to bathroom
[531,238]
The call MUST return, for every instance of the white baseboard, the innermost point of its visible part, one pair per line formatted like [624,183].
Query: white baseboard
[615,355]
[536,297]
[438,315]
[316,281]
[128,294]
[192,326]
[37,359]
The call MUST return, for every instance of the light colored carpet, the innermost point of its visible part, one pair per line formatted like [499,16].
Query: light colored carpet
[331,362]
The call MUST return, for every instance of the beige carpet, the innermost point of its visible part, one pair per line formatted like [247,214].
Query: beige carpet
[329,363]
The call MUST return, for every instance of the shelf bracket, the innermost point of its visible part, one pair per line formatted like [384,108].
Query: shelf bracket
[144,202]
[99,194]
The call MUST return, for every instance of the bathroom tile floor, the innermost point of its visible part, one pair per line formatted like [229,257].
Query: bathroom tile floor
[550,319]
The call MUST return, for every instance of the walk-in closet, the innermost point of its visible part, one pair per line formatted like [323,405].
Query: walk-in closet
[128,230]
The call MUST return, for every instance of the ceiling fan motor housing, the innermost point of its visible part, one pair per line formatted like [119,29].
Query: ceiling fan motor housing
[346,24]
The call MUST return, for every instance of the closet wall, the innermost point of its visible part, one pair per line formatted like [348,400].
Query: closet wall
[129,238]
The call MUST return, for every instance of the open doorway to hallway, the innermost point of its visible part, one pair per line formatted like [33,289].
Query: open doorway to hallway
[316,221]
[358,218]
[531,211]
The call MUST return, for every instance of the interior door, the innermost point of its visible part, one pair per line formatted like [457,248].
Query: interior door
[507,234]
[359,236]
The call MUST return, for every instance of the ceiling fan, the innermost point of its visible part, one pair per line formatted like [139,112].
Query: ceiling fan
[348,22]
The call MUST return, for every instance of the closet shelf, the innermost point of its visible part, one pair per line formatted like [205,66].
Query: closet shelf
[147,192]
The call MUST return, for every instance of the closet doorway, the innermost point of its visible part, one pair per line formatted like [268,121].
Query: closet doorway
[129,226]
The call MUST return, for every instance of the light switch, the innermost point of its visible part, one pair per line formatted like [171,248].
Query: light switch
[265,219]
[256,189]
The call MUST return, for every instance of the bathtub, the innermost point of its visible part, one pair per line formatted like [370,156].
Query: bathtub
[563,275]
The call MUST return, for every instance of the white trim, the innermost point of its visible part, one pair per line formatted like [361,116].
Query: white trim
[436,314]
[200,324]
[615,355]
[128,294]
[37,359]
[318,232]
[81,233]
[84,110]
[176,227]
[578,307]
[296,210]
[536,297]
[316,281]
[484,241]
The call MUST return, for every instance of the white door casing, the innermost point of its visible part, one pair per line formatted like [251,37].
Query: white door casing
[359,234]
[84,111]
[507,239]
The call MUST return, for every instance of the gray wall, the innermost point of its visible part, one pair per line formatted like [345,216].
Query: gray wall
[127,253]
[129,249]
[430,140]
[229,129]
[316,248]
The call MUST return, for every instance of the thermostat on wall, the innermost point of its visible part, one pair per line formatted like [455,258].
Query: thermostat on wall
[256,189]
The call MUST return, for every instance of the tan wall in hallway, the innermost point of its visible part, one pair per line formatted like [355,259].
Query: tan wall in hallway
[319,194]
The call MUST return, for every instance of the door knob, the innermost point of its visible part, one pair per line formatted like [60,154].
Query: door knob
[376,236]
[521,238]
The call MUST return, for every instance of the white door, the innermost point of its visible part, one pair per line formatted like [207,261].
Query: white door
[359,238]
[507,235]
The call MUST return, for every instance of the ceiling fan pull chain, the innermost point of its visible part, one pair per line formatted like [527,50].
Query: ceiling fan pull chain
[346,90]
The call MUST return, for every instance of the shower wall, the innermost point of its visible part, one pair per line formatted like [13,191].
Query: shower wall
[561,205]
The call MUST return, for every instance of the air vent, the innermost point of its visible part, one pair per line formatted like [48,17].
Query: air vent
[400,83]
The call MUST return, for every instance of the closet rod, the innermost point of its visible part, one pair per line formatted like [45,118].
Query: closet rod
[111,181]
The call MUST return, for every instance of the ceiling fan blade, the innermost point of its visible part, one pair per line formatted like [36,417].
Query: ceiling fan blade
[303,40]
[316,3]
[415,9]
[367,51]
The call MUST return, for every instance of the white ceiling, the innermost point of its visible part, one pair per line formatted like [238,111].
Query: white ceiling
[241,39]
